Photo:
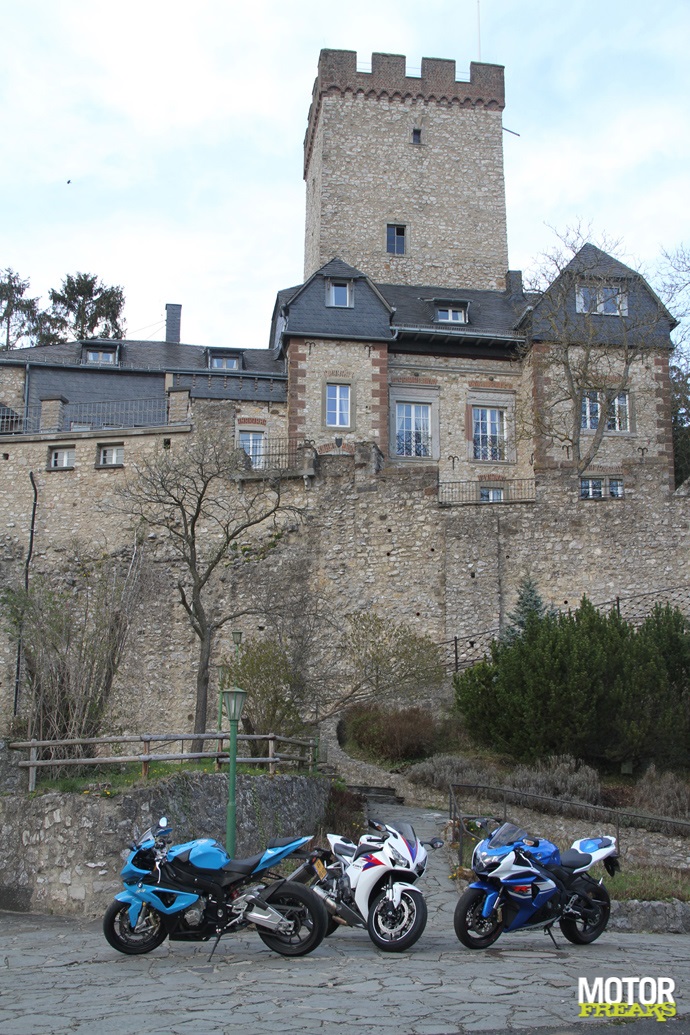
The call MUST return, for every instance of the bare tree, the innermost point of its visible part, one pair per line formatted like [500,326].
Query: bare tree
[205,501]
[591,321]
[73,629]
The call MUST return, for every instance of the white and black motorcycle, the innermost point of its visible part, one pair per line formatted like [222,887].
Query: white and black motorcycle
[372,884]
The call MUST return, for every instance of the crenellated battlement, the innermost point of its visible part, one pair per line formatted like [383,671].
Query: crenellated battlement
[337,73]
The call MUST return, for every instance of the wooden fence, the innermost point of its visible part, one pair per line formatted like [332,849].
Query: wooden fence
[303,752]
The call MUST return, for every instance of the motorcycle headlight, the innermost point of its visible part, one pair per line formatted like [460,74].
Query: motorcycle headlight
[397,858]
[483,862]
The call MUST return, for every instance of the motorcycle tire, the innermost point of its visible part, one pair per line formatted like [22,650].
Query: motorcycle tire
[394,929]
[308,915]
[474,930]
[587,929]
[332,926]
[147,935]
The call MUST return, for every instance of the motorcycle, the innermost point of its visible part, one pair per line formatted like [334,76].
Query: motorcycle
[525,882]
[195,891]
[371,884]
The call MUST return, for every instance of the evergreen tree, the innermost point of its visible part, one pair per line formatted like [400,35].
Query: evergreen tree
[83,308]
[18,314]
[529,603]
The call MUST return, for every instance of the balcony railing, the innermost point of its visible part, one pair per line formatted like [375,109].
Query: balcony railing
[95,416]
[518,490]
[280,454]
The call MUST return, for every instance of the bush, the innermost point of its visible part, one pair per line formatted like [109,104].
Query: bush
[585,684]
[560,776]
[344,813]
[662,794]
[442,770]
[393,735]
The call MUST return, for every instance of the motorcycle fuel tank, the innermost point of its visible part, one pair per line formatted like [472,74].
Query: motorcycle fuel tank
[204,853]
[545,852]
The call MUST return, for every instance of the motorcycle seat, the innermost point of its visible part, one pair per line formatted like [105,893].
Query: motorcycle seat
[342,849]
[574,860]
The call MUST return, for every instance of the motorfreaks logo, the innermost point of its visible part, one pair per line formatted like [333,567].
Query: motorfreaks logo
[627,997]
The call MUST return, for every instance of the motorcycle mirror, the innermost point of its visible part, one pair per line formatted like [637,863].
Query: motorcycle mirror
[375,824]
[163,822]
[436,842]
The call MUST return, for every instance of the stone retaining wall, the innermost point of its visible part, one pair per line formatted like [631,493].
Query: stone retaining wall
[62,853]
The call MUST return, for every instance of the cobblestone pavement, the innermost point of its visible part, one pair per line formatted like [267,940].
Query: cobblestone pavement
[59,976]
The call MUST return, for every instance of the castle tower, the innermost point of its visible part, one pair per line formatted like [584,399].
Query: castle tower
[405,174]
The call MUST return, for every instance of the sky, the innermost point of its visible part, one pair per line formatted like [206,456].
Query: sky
[159,144]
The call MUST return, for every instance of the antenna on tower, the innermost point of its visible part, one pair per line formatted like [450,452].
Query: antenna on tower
[479,30]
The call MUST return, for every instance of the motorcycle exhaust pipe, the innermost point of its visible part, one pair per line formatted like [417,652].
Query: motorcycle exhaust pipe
[341,913]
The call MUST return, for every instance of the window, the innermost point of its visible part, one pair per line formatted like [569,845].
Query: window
[489,495]
[489,438]
[601,488]
[339,293]
[590,411]
[223,363]
[416,136]
[111,456]
[412,429]
[617,415]
[103,356]
[62,458]
[602,298]
[252,442]
[457,314]
[395,239]
[338,406]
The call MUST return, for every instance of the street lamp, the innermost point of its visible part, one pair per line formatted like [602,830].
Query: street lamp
[234,703]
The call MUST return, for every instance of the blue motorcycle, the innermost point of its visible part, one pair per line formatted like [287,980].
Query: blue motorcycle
[195,892]
[525,881]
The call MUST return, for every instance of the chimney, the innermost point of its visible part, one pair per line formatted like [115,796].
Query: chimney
[173,317]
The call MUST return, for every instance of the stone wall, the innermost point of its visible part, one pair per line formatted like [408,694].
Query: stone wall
[62,853]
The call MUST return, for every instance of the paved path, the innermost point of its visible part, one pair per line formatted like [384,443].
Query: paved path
[59,976]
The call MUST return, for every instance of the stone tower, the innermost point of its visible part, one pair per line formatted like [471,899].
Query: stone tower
[405,174]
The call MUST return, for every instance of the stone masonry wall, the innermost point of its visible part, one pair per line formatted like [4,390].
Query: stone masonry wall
[62,853]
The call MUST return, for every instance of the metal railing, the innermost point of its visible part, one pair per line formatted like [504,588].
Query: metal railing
[463,493]
[280,454]
[617,818]
[307,756]
[94,416]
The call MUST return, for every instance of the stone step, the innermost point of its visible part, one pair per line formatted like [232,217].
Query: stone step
[377,795]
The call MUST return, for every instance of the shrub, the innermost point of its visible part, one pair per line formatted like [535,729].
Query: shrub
[393,735]
[442,770]
[344,813]
[662,794]
[560,776]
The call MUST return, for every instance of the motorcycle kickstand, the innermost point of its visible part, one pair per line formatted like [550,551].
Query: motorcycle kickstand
[547,930]
[215,944]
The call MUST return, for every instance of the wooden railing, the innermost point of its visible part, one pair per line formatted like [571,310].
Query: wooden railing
[307,756]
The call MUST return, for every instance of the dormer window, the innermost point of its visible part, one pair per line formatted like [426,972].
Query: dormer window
[602,298]
[101,357]
[339,293]
[456,313]
[223,362]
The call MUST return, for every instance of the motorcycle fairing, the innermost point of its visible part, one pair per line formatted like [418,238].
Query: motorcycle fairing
[146,893]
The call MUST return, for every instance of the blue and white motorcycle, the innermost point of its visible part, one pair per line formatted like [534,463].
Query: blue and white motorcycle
[195,892]
[525,881]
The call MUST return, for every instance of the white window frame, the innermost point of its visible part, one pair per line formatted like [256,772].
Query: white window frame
[602,298]
[255,439]
[100,357]
[413,419]
[494,440]
[223,362]
[602,487]
[617,411]
[62,458]
[424,395]
[338,415]
[111,455]
[618,415]
[491,494]
[590,410]
[451,314]
[339,294]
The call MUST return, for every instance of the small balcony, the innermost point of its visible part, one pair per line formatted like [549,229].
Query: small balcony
[476,493]
[58,417]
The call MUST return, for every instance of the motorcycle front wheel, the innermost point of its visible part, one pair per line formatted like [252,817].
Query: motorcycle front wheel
[306,914]
[394,929]
[585,929]
[474,930]
[147,934]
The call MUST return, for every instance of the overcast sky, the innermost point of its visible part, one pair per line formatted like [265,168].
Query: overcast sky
[179,127]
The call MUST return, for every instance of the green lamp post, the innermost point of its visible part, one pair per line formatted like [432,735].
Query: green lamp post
[234,703]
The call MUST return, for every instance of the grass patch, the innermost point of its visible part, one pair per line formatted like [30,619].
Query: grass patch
[108,780]
[648,884]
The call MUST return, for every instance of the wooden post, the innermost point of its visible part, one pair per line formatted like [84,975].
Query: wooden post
[271,753]
[145,761]
[33,755]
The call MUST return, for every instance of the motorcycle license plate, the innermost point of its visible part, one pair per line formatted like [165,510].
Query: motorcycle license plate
[320,869]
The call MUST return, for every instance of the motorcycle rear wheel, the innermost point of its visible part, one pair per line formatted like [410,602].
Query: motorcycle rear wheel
[394,929]
[474,930]
[308,915]
[585,930]
[146,935]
